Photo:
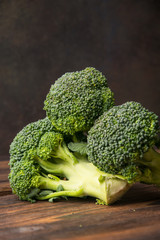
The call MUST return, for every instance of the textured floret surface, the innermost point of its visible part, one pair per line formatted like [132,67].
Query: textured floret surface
[76,99]
[120,137]
[23,177]
[28,139]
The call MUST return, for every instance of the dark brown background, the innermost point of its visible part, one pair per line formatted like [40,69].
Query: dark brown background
[42,39]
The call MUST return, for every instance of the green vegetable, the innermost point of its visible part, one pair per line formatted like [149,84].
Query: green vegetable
[122,142]
[76,99]
[28,139]
[85,146]
[42,167]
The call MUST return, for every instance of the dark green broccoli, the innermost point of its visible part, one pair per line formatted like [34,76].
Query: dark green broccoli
[42,167]
[76,99]
[122,142]
[28,139]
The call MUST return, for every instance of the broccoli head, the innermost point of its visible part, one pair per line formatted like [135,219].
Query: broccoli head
[28,139]
[42,167]
[76,99]
[122,140]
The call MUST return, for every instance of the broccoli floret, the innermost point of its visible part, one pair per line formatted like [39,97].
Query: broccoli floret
[28,139]
[122,141]
[42,167]
[76,99]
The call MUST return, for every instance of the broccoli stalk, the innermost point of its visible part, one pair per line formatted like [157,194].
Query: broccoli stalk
[75,178]
[83,179]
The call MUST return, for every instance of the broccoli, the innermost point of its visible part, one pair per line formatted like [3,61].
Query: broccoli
[42,167]
[122,142]
[76,99]
[28,138]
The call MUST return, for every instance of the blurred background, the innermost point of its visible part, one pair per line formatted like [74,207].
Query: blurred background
[42,39]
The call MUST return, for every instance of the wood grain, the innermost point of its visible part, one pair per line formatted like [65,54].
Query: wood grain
[135,216]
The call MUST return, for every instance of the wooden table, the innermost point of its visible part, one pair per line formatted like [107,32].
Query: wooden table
[136,216]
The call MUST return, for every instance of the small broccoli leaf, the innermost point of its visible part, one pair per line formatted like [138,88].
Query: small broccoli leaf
[33,193]
[80,147]
[57,198]
[32,200]
[45,193]
[53,199]
[60,188]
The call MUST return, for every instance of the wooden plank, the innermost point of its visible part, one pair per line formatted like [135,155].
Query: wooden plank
[4,183]
[67,219]
[5,188]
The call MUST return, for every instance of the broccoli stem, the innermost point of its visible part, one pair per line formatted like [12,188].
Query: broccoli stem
[98,184]
[151,159]
[61,168]
[63,153]
[85,176]
[75,193]
[50,167]
[51,184]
